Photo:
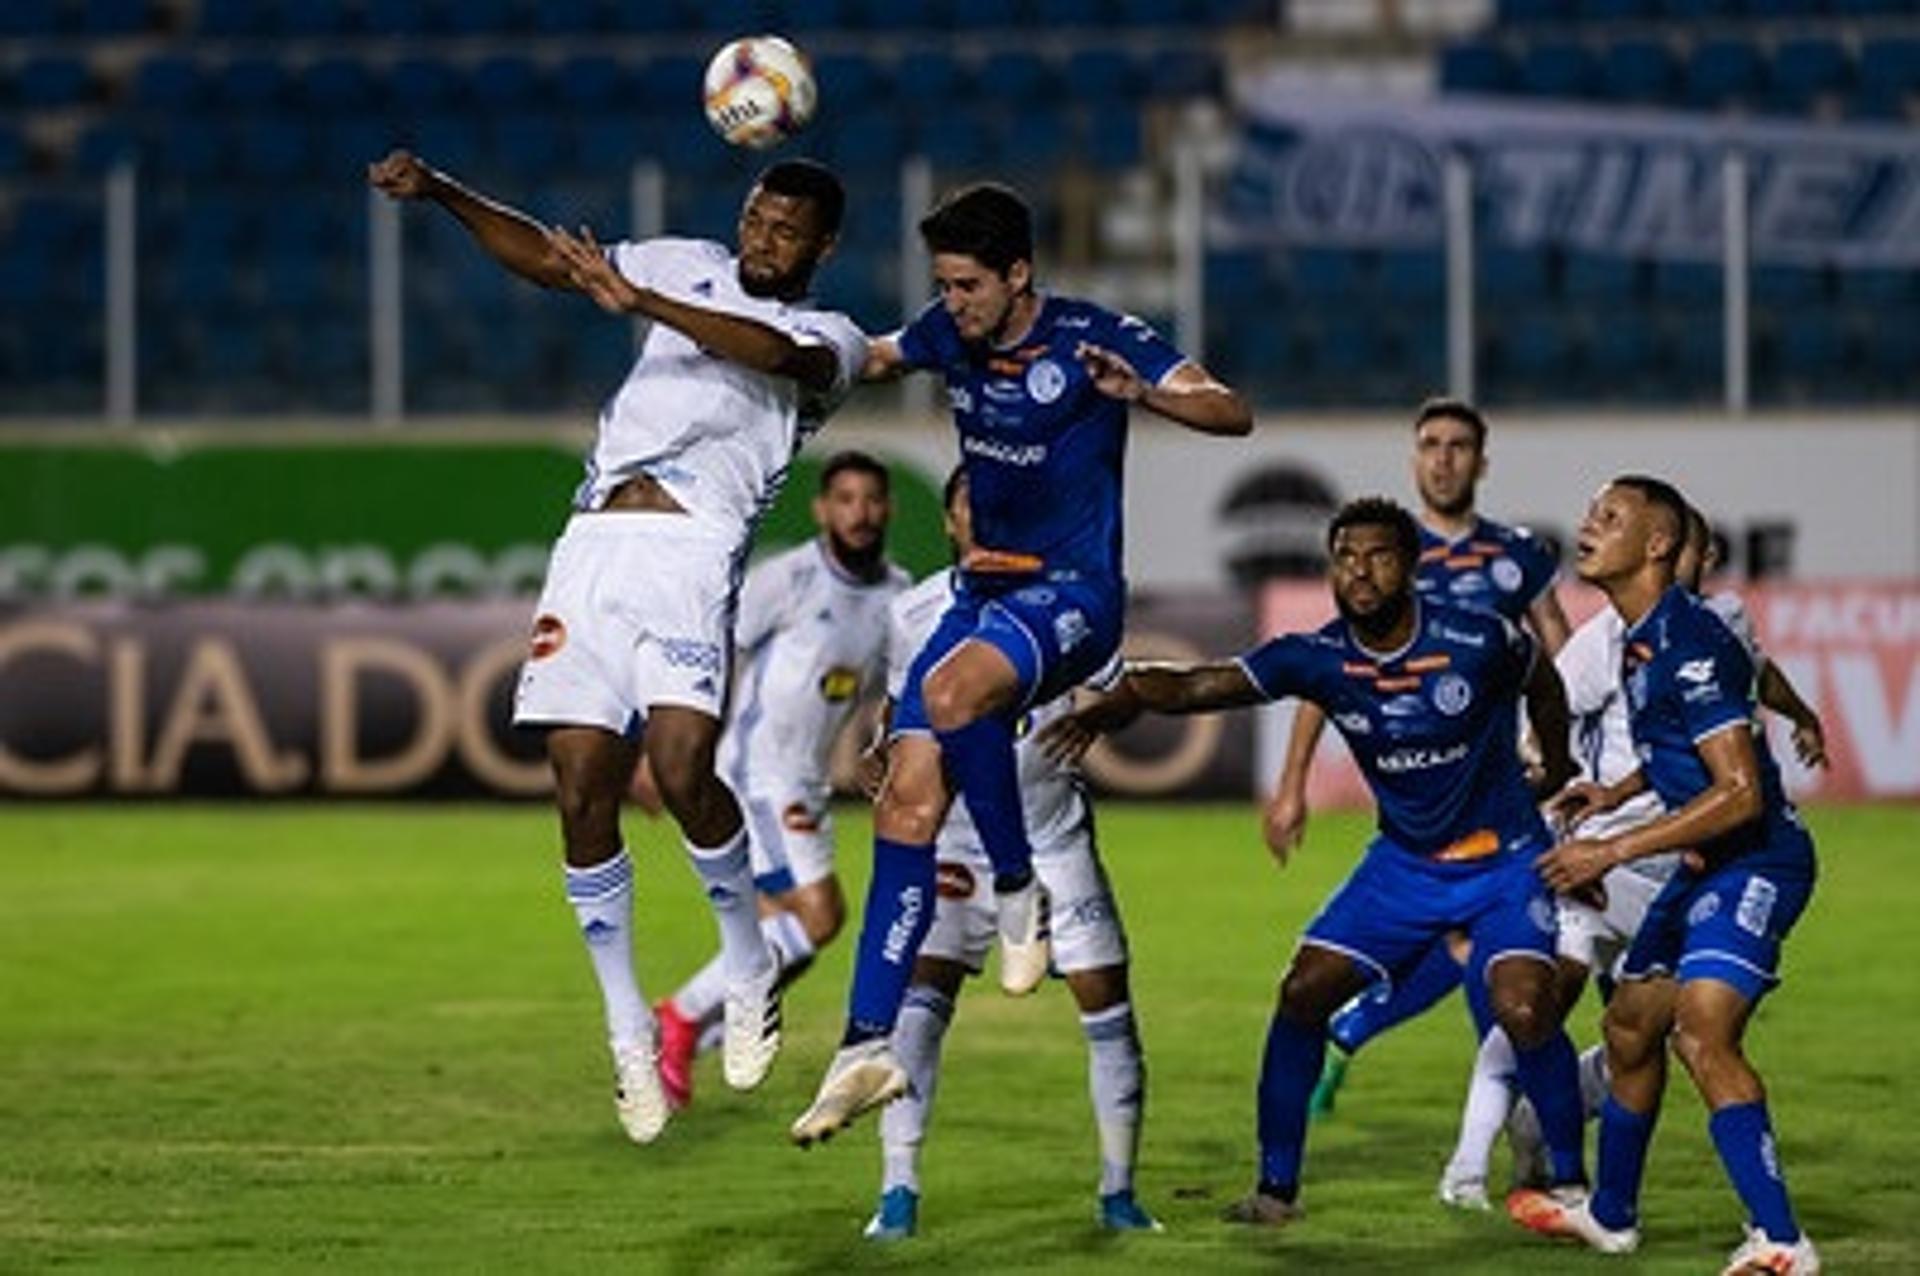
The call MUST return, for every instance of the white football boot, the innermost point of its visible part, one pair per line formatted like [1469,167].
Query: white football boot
[752,1036]
[638,1097]
[1565,1212]
[1026,947]
[1758,1255]
[861,1078]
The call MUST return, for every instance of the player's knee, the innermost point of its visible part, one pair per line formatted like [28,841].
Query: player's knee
[911,808]
[1703,1049]
[1528,1020]
[949,705]
[1308,996]
[589,818]
[822,917]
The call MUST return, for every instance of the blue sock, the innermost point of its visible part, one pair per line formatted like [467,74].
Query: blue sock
[1371,1014]
[1744,1137]
[1625,1136]
[979,756]
[1550,1078]
[898,914]
[1287,1073]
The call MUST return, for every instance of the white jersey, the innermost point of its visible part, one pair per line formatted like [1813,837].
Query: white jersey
[1733,614]
[717,436]
[1589,666]
[1050,794]
[811,641]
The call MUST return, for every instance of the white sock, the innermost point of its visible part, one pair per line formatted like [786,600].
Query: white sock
[1117,1077]
[916,1044]
[1594,1081]
[1489,1100]
[699,998]
[727,875]
[602,899]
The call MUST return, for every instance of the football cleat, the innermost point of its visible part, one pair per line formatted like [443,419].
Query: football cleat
[1758,1256]
[1333,1075]
[1258,1209]
[752,1036]
[1531,1167]
[1026,948]
[679,1044]
[638,1098]
[1565,1213]
[861,1078]
[1462,1191]
[1119,1212]
[896,1217]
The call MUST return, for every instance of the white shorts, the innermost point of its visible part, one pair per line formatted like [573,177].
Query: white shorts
[1085,919]
[637,611]
[791,839]
[1597,938]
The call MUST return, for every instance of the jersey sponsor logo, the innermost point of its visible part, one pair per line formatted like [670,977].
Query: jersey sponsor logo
[1401,761]
[1354,723]
[1019,454]
[1696,670]
[900,934]
[1404,707]
[549,635]
[1452,694]
[1046,381]
[1070,629]
[1463,637]
[1755,908]
[797,818]
[1004,391]
[839,683]
[1506,574]
[688,653]
[953,880]
[1704,909]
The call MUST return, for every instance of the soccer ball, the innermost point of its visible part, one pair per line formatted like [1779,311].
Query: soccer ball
[759,91]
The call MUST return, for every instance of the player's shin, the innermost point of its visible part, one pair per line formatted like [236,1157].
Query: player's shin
[1489,1100]
[899,911]
[727,876]
[602,899]
[903,1123]
[1116,1077]
[1550,1078]
[1625,1136]
[1743,1135]
[1287,1073]
[979,756]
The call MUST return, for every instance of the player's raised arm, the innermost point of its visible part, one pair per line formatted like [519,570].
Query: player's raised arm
[1188,395]
[511,237]
[1150,687]
[747,342]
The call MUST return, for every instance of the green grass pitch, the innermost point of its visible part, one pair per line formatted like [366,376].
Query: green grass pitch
[281,1037]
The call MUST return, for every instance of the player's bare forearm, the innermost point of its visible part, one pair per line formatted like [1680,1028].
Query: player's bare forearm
[1731,800]
[1193,398]
[747,342]
[1778,693]
[509,236]
[1309,723]
[884,361]
[1552,728]
[1549,622]
[1174,689]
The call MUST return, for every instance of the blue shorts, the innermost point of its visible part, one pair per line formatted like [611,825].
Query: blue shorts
[1728,922]
[1056,633]
[1395,904]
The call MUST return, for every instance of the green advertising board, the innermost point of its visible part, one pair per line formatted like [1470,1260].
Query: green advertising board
[410,517]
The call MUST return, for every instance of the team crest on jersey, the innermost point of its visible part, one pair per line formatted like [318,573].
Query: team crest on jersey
[1045,381]
[1354,723]
[549,635]
[1703,909]
[1540,913]
[1452,694]
[1506,574]
[839,683]
[1070,629]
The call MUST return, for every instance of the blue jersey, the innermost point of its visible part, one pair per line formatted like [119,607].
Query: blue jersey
[1042,446]
[1431,726]
[1493,567]
[1688,676]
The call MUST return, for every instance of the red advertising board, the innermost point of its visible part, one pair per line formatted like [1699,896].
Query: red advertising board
[1852,649]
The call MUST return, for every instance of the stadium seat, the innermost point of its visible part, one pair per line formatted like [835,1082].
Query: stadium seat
[1723,73]
[347,143]
[420,85]
[1115,139]
[1809,347]
[1153,13]
[824,15]
[1533,352]
[1700,10]
[1620,352]
[1513,275]
[672,84]
[1787,285]
[960,142]
[1056,14]
[482,17]
[1599,11]
[308,18]
[1593,278]
[1769,10]
[1016,80]
[985,14]
[1320,275]
[531,147]
[590,83]
[1413,277]
[1558,68]
[30,18]
[929,80]
[1638,70]
[1869,287]
[852,82]
[450,141]
[102,147]
[224,18]
[1475,66]
[399,17]
[1104,77]
[115,17]
[52,82]
[1688,282]
[1524,12]
[185,147]
[273,148]
[168,83]
[569,17]
[249,86]
[1806,70]
[872,142]
[506,82]
[1182,73]
[335,85]
[1889,76]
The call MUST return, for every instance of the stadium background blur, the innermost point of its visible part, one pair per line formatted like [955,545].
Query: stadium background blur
[279,461]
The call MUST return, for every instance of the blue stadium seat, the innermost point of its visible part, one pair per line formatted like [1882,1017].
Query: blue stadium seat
[347,143]
[1773,285]
[13,153]
[421,85]
[1327,274]
[186,147]
[1558,68]
[608,144]
[168,82]
[234,18]
[1870,8]
[115,17]
[1103,77]
[532,147]
[1868,286]
[643,18]
[1535,350]
[1153,13]
[506,82]
[1475,66]
[1522,12]
[1055,14]
[959,141]
[1620,350]
[1016,80]
[52,81]
[1723,73]
[984,14]
[307,18]
[591,82]
[1695,283]
[1889,76]
[1115,138]
[1513,275]
[872,142]
[1617,10]
[1183,73]
[1344,349]
[1413,276]
[336,85]
[824,15]
[852,82]
[1700,10]
[673,84]
[569,17]
[103,146]
[1590,277]
[482,17]
[448,141]
[930,80]
[273,148]
[1807,348]
[1771,9]
[1638,70]
[1805,70]
[400,17]
[1035,143]
[248,86]
[30,18]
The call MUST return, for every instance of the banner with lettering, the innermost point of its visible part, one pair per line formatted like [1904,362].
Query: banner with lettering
[1326,169]
[1852,651]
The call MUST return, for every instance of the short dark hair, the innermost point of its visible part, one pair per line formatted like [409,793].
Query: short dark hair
[1666,497]
[813,182]
[986,221]
[1699,529]
[952,488]
[1379,511]
[1455,410]
[853,462]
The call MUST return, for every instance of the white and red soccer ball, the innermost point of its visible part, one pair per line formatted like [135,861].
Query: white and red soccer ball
[759,91]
